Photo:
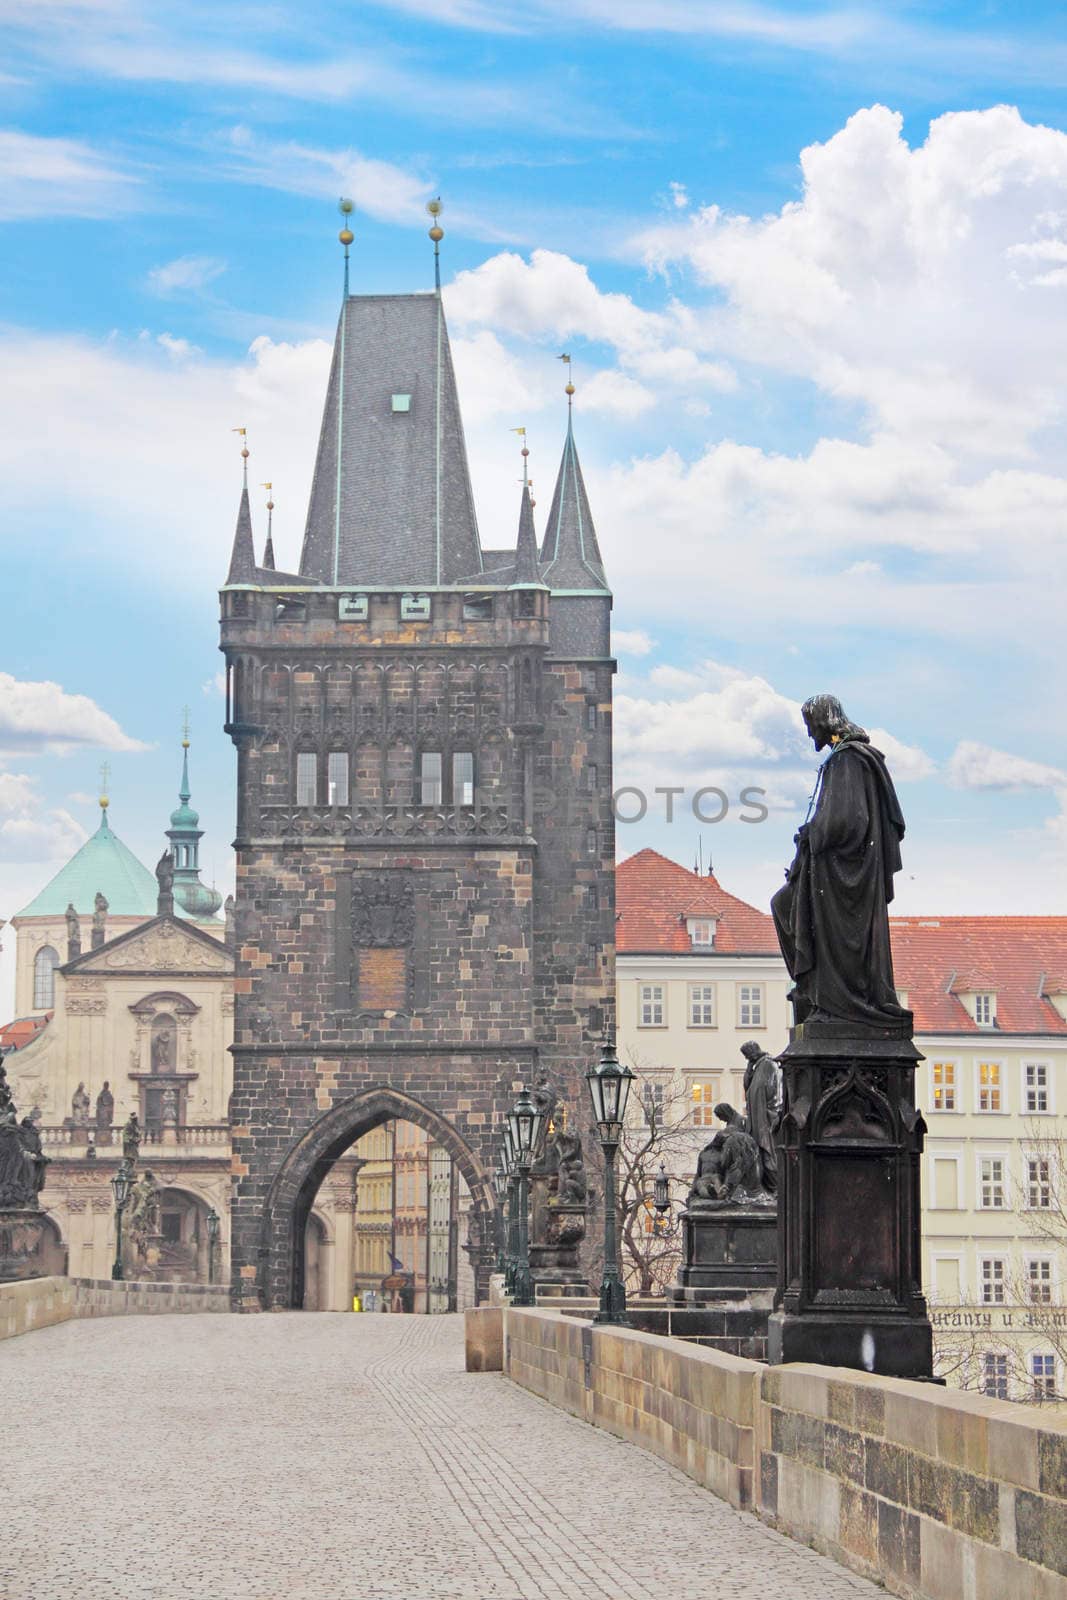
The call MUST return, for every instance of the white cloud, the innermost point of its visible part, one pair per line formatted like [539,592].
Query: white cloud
[379,188]
[215,685]
[28,831]
[42,177]
[910,280]
[632,641]
[978,766]
[679,196]
[185,274]
[36,717]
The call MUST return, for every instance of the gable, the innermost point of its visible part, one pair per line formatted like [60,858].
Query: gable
[163,945]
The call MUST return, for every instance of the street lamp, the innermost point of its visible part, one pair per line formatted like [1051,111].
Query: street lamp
[524,1122]
[120,1185]
[212,1241]
[609,1090]
[510,1170]
[500,1189]
[661,1191]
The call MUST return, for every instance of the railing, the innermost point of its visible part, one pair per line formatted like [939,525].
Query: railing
[109,1140]
[394,822]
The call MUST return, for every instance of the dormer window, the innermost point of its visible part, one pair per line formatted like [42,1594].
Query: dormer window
[701,932]
[985,1010]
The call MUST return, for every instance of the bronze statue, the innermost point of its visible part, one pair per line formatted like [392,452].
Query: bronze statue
[728,1168]
[34,1152]
[144,1211]
[831,914]
[131,1138]
[105,1108]
[572,1189]
[761,1109]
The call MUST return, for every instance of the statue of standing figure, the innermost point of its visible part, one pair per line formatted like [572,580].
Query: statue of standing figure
[105,1108]
[761,1108]
[144,1211]
[572,1189]
[79,1106]
[131,1139]
[74,933]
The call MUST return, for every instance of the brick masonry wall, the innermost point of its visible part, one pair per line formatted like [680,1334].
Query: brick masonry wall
[937,1494]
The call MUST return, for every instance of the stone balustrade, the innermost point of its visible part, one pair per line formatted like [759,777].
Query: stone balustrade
[939,1494]
[41,1302]
[63,1140]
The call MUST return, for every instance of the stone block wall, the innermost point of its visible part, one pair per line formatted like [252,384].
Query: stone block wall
[42,1302]
[937,1494]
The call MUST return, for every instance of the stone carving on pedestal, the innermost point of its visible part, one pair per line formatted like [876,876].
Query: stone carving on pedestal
[850,1137]
[23,1164]
[559,1199]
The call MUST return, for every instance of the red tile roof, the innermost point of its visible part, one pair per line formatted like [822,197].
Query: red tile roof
[13,1035]
[1019,959]
[1022,960]
[654,896]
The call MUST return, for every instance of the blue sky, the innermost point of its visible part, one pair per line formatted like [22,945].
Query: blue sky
[811,263]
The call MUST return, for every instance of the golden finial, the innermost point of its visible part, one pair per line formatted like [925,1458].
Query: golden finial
[569,390]
[185,727]
[244,449]
[270,497]
[105,778]
[437,233]
[525,456]
[346,208]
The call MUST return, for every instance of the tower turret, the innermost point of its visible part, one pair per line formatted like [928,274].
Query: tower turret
[185,834]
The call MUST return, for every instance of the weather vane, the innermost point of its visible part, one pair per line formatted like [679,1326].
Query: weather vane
[105,779]
[527,481]
[346,208]
[244,449]
[437,233]
[185,727]
[569,390]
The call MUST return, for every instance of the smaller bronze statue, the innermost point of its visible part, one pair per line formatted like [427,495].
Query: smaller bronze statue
[143,1211]
[572,1188]
[79,1106]
[105,1108]
[728,1168]
[131,1138]
[761,1108]
[34,1152]
[74,933]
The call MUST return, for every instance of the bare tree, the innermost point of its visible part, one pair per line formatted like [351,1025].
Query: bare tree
[658,1130]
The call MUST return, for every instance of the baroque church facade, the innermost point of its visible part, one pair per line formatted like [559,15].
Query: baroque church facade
[425,844]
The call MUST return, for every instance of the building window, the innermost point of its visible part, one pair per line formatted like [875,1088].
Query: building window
[1035,1082]
[1038,1184]
[430,778]
[1039,1281]
[592,779]
[477,608]
[989,1086]
[307,778]
[995,1375]
[653,1008]
[590,716]
[652,1102]
[704,1097]
[45,963]
[701,933]
[992,1272]
[702,1005]
[991,1183]
[337,778]
[985,1010]
[946,1183]
[750,1005]
[590,842]
[944,1085]
[463,778]
[1043,1373]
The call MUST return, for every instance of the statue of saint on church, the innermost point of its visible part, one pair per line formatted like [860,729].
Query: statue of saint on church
[131,1138]
[105,1108]
[74,933]
[79,1106]
[162,1057]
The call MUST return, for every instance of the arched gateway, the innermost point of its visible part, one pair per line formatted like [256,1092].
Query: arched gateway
[425,909]
[297,1182]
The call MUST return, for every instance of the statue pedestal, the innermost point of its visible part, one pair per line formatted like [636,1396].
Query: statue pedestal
[726,1247]
[554,1257]
[850,1144]
[21,1228]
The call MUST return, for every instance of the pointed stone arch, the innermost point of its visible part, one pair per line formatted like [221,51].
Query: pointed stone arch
[297,1181]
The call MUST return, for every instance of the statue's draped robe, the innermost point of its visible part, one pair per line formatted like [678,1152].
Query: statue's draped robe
[761,1104]
[832,913]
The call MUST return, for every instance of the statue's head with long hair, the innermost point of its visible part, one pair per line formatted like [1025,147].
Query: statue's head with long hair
[825,720]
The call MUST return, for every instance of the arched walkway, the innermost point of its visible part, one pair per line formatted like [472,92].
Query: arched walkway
[307,1162]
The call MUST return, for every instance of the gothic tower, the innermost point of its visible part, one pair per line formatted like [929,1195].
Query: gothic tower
[425,843]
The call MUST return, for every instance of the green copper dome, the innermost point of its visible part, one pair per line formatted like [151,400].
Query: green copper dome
[104,866]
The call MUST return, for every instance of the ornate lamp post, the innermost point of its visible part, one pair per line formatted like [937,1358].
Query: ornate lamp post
[661,1192]
[500,1189]
[524,1121]
[120,1186]
[511,1248]
[212,1241]
[609,1090]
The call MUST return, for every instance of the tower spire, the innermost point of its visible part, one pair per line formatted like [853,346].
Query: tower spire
[437,233]
[268,548]
[571,556]
[243,553]
[346,208]
[527,570]
[184,836]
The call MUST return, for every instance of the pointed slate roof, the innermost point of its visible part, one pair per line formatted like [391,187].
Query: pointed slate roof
[527,567]
[104,865]
[243,555]
[391,499]
[570,558]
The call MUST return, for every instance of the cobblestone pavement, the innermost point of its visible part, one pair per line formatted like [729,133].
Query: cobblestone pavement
[332,1457]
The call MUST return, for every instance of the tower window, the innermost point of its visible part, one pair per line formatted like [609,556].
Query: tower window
[337,778]
[590,716]
[478,607]
[590,842]
[45,963]
[401,403]
[430,768]
[307,778]
[463,778]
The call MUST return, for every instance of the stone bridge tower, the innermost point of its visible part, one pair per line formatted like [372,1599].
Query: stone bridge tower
[425,844]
